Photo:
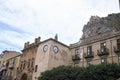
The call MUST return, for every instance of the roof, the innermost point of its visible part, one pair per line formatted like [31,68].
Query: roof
[46,41]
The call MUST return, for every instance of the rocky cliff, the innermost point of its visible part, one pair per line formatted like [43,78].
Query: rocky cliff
[98,25]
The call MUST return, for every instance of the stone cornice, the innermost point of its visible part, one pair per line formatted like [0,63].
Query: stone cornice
[97,38]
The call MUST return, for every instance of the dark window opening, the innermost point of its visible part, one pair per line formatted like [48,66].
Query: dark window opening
[103,60]
[32,62]
[119,59]
[118,43]
[103,47]
[89,50]
[77,51]
[89,63]
[36,66]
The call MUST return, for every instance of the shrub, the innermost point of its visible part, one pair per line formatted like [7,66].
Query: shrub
[97,72]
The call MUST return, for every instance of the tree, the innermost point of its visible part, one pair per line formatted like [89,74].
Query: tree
[97,72]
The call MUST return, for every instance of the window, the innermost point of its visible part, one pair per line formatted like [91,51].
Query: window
[89,50]
[119,59]
[89,63]
[21,65]
[28,65]
[77,51]
[103,60]
[103,47]
[24,64]
[36,66]
[13,61]
[32,63]
[7,64]
[118,43]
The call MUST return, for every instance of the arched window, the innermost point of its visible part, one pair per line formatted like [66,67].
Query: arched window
[28,65]
[24,64]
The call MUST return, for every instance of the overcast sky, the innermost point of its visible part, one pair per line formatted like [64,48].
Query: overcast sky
[24,20]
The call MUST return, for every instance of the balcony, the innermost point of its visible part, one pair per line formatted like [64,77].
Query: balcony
[19,71]
[116,49]
[2,68]
[90,55]
[76,57]
[11,66]
[103,52]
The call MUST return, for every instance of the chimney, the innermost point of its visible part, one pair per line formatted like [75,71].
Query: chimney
[26,45]
[37,40]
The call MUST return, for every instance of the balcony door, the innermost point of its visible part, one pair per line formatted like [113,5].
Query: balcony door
[103,47]
[118,43]
[89,50]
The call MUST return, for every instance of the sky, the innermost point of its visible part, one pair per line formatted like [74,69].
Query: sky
[25,20]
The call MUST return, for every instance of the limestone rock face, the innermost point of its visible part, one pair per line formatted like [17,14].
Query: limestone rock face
[98,25]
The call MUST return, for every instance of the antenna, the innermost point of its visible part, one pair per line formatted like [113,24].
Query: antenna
[56,37]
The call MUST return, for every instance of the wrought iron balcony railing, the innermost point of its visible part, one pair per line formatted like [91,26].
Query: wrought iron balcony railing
[90,55]
[116,49]
[103,52]
[76,57]
[11,66]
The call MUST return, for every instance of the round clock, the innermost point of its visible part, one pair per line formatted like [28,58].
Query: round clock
[55,49]
[45,48]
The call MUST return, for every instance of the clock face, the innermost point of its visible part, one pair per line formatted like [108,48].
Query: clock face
[55,49]
[45,48]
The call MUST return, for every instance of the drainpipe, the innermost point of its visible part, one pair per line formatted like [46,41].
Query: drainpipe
[111,50]
[83,58]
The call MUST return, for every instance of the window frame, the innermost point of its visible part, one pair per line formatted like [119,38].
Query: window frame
[89,63]
[77,51]
[36,67]
[102,46]
[105,61]
[118,59]
[89,50]
[118,43]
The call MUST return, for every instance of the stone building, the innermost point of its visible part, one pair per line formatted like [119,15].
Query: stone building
[51,53]
[100,42]
[12,65]
[4,57]
[40,56]
[27,60]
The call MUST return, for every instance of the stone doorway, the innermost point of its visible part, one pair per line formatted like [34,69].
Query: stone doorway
[24,77]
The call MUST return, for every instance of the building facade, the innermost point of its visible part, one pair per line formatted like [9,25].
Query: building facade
[100,42]
[4,64]
[27,61]
[51,53]
[12,65]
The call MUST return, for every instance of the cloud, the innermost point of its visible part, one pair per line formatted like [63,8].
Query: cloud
[24,20]
[9,28]
[12,38]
